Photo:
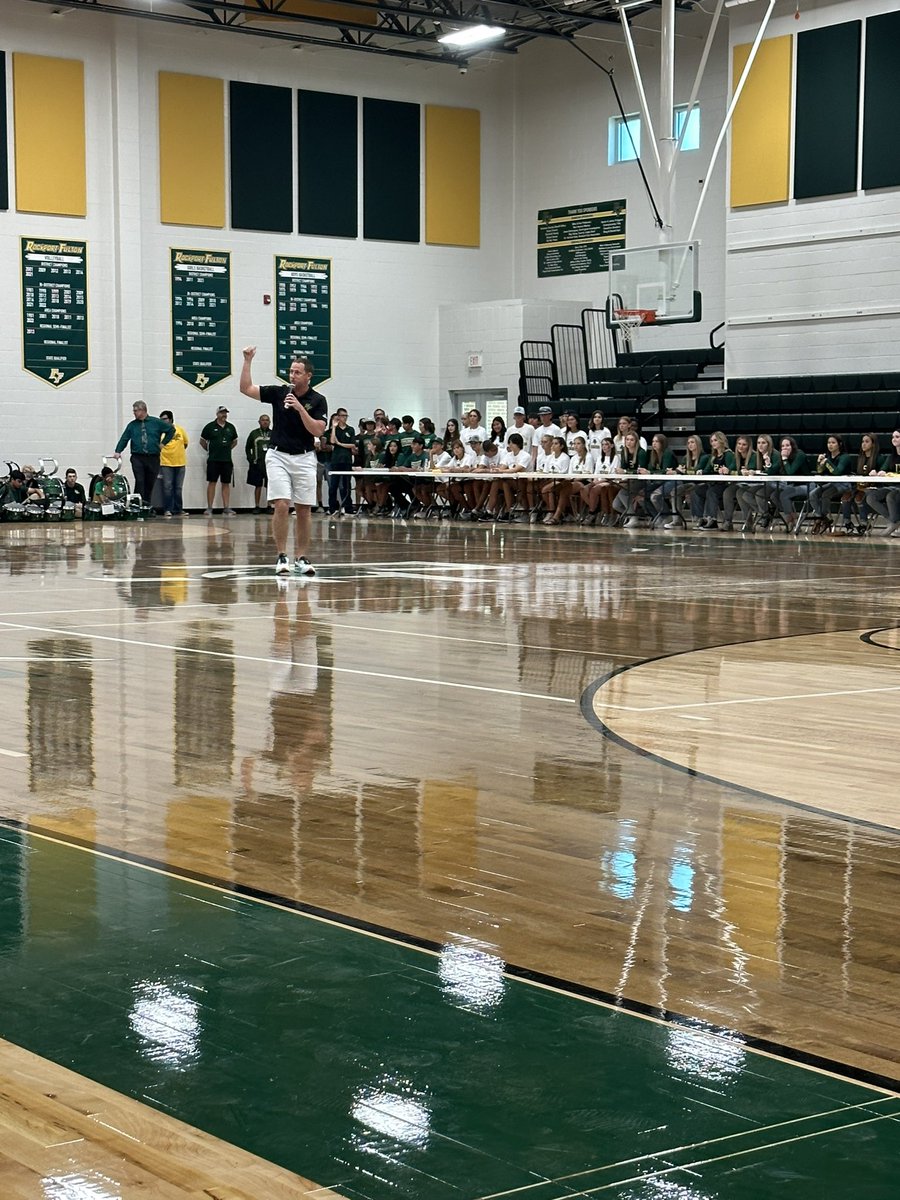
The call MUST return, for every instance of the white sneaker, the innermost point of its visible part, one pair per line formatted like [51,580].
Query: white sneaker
[302,566]
[207,512]
[282,566]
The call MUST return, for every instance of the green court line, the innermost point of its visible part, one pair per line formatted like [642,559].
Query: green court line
[384,1071]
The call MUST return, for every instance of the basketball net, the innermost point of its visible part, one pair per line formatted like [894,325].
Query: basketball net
[630,320]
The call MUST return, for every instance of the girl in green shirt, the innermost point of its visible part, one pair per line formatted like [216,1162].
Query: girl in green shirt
[753,498]
[744,464]
[834,462]
[721,462]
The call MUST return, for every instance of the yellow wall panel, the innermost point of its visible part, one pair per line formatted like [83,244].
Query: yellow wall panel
[191,152]
[48,97]
[452,176]
[761,127]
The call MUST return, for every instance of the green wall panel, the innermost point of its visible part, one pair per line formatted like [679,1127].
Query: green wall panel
[391,170]
[826,127]
[881,131]
[261,157]
[4,153]
[328,136]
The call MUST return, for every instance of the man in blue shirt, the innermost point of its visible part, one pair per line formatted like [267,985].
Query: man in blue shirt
[145,434]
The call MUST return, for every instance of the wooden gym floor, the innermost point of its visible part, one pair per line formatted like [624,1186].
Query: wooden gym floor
[490,862]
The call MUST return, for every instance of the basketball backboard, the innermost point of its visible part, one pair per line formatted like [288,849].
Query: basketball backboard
[658,282]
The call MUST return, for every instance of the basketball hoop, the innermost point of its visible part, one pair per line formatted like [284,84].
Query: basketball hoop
[630,320]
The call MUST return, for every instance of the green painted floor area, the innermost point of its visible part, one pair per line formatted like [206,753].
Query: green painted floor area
[383,1071]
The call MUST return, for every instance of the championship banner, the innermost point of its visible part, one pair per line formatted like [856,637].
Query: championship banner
[54,309]
[201,316]
[303,314]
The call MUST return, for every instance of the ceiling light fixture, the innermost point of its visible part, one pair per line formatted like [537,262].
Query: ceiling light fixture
[474,35]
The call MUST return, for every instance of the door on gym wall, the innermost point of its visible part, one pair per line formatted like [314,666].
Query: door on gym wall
[490,402]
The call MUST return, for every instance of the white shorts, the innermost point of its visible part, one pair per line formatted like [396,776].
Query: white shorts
[291,476]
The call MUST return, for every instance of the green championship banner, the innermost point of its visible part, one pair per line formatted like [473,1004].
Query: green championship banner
[54,309]
[577,241]
[201,316]
[303,314]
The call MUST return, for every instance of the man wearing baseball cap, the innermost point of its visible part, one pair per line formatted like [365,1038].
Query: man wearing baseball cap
[522,428]
[218,439]
[547,427]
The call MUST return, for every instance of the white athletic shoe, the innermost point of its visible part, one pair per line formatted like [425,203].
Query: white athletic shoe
[302,566]
[282,566]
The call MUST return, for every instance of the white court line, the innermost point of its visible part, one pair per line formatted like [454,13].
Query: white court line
[747,700]
[13,754]
[468,687]
[727,1137]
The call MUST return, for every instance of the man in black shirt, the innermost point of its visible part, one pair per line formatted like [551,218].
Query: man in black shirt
[298,417]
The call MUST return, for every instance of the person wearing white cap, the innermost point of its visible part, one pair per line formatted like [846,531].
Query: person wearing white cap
[218,439]
[522,428]
[547,428]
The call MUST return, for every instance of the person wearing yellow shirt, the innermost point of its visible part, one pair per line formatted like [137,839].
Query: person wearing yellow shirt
[172,461]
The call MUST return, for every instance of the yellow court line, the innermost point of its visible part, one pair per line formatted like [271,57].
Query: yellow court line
[346,926]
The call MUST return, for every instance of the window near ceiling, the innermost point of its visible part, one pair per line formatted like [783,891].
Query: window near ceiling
[624,138]
[692,133]
[625,133]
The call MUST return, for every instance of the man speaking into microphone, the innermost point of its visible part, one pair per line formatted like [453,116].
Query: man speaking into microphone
[298,417]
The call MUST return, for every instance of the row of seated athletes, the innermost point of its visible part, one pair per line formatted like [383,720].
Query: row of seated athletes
[341,447]
[755,481]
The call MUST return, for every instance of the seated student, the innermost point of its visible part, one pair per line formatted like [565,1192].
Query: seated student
[73,492]
[556,495]
[626,425]
[440,459]
[368,447]
[426,428]
[487,463]
[406,433]
[793,462]
[468,488]
[744,462]
[462,459]
[660,461]
[419,491]
[632,458]
[412,457]
[600,490]
[522,428]
[886,500]
[516,459]
[597,433]
[695,463]
[15,490]
[571,429]
[581,467]
[721,461]
[498,432]
[833,462]
[754,498]
[385,459]
[451,434]
[854,502]
[103,489]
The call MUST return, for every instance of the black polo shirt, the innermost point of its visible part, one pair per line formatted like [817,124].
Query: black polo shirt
[289,434]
